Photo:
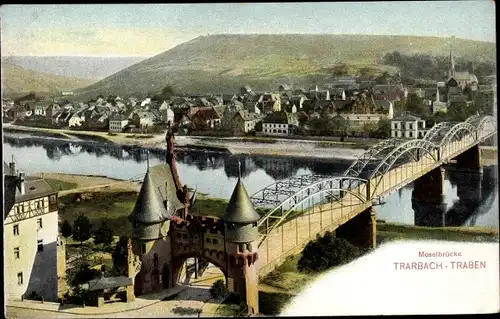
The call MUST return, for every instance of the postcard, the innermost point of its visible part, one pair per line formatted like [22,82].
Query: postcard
[250,159]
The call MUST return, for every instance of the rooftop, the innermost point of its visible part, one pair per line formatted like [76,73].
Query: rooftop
[240,208]
[157,199]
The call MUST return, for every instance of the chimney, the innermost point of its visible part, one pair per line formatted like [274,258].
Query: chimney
[22,183]
[12,169]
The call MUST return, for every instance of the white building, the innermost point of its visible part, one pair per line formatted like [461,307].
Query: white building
[77,119]
[438,105]
[167,113]
[279,124]
[408,126]
[117,123]
[358,120]
[34,256]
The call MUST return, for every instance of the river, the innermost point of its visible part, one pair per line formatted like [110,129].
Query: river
[215,174]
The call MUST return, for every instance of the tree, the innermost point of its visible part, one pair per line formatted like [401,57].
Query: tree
[340,70]
[218,290]
[370,128]
[83,274]
[414,104]
[166,94]
[384,128]
[326,252]
[82,229]
[104,234]
[66,229]
[383,79]
[119,255]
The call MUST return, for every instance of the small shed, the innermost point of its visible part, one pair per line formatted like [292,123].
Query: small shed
[108,286]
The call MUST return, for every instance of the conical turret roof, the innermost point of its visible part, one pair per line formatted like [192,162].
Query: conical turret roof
[157,200]
[240,208]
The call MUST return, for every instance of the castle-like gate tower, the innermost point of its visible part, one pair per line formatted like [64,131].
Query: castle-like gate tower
[165,234]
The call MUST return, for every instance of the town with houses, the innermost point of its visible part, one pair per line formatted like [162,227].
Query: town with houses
[354,108]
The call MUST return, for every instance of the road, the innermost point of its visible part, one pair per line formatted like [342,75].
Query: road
[196,296]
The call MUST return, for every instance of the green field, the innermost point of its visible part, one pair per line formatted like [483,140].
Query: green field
[59,185]
[114,208]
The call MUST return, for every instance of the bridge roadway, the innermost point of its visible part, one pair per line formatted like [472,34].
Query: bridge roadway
[338,204]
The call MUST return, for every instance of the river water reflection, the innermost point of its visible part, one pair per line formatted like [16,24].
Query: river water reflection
[466,203]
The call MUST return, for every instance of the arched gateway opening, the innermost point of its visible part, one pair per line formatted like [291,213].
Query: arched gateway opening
[198,271]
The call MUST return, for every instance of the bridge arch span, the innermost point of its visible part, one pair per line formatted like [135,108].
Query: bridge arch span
[273,194]
[356,168]
[406,148]
[436,133]
[329,187]
[458,132]
[486,125]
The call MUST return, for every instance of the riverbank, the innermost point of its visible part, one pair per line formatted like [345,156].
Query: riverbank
[234,145]
[115,202]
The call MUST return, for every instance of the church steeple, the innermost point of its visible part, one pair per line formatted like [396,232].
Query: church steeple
[452,63]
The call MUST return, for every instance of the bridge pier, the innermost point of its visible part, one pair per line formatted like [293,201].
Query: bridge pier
[361,230]
[430,187]
[470,160]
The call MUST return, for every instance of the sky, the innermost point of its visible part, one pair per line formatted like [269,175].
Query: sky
[148,29]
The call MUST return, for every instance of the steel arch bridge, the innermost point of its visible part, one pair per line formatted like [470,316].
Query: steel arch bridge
[369,177]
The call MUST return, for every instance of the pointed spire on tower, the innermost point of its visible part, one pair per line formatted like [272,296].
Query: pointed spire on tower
[239,169]
[452,60]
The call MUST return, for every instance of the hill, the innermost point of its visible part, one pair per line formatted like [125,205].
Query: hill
[74,66]
[17,80]
[224,63]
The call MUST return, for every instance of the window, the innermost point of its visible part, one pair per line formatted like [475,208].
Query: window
[249,247]
[143,246]
[274,131]
[40,245]
[52,199]
[16,230]
[411,126]
[18,209]
[215,241]
[155,260]
[37,204]
[410,134]
[19,278]
[240,248]
[17,254]
[208,240]
[39,223]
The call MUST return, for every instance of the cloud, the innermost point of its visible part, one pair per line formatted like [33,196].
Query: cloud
[94,42]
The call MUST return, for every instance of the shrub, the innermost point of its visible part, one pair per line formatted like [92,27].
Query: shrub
[120,255]
[218,289]
[103,235]
[66,229]
[274,277]
[326,252]
[82,229]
